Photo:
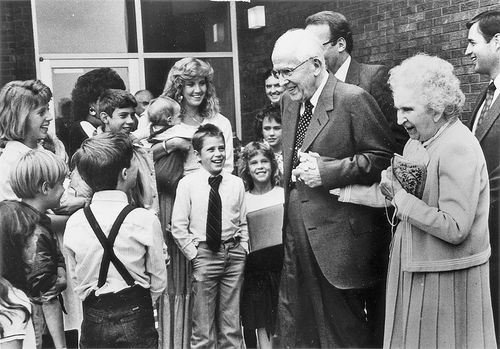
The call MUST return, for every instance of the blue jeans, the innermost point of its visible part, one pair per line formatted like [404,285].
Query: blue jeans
[217,281]
[119,320]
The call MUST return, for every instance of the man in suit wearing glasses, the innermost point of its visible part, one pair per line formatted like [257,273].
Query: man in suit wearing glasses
[334,135]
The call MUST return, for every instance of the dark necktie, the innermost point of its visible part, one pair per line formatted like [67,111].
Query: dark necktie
[304,121]
[214,217]
[487,103]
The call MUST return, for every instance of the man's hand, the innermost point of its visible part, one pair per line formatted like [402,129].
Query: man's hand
[307,171]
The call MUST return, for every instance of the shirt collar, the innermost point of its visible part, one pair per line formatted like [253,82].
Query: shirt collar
[110,195]
[206,174]
[315,97]
[497,82]
[341,74]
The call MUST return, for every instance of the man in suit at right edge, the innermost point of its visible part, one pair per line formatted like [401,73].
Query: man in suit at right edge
[484,50]
[334,32]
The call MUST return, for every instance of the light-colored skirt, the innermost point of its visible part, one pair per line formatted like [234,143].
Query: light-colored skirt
[175,305]
[437,309]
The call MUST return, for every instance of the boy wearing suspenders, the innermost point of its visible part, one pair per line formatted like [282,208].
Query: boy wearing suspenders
[115,251]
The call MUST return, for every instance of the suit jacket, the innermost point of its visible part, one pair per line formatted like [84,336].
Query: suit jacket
[488,134]
[373,79]
[351,135]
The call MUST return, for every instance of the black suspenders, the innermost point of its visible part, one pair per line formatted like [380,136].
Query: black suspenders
[107,245]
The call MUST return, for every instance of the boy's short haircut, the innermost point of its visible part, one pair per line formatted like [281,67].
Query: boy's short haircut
[100,159]
[33,169]
[204,131]
[112,99]
[168,107]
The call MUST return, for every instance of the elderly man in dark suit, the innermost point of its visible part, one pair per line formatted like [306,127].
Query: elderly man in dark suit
[334,135]
[484,50]
[334,32]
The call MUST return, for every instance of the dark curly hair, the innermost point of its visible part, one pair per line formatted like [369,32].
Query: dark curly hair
[248,152]
[89,87]
[271,112]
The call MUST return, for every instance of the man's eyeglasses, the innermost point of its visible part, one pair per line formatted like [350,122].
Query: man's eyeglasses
[330,42]
[287,72]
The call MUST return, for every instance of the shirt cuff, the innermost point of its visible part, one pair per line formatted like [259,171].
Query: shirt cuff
[190,251]
[244,244]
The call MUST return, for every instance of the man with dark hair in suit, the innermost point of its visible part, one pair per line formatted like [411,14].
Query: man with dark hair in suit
[334,135]
[334,32]
[484,50]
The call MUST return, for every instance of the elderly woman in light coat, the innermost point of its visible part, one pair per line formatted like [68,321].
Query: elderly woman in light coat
[438,292]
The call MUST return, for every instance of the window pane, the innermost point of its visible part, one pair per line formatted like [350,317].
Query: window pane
[185,26]
[90,26]
[157,69]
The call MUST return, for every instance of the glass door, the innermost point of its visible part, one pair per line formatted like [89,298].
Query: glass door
[61,75]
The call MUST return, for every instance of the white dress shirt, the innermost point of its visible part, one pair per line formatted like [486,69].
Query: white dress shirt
[341,73]
[189,215]
[138,245]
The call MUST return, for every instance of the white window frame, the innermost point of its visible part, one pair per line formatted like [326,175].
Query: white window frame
[140,56]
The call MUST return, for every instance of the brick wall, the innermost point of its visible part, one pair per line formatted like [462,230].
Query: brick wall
[17,55]
[385,32]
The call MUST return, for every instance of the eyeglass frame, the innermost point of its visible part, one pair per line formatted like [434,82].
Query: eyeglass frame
[286,73]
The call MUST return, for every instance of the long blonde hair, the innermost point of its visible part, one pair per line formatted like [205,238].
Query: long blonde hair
[190,68]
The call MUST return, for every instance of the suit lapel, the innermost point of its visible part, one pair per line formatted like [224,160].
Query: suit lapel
[489,119]
[320,115]
[353,72]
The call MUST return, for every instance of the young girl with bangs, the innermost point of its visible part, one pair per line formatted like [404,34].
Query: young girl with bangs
[259,170]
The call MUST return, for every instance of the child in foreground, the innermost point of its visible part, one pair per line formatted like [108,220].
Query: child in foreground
[38,180]
[209,226]
[115,250]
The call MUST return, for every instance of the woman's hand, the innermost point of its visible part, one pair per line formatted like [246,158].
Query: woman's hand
[389,185]
[70,205]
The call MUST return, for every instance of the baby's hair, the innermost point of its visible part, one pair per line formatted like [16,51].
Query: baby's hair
[250,150]
[17,227]
[112,99]
[204,131]
[169,106]
[36,167]
[100,159]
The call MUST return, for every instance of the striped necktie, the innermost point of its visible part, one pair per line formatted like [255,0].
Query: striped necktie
[487,103]
[214,216]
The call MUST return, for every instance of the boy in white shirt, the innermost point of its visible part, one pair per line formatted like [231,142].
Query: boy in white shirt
[115,250]
[209,225]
